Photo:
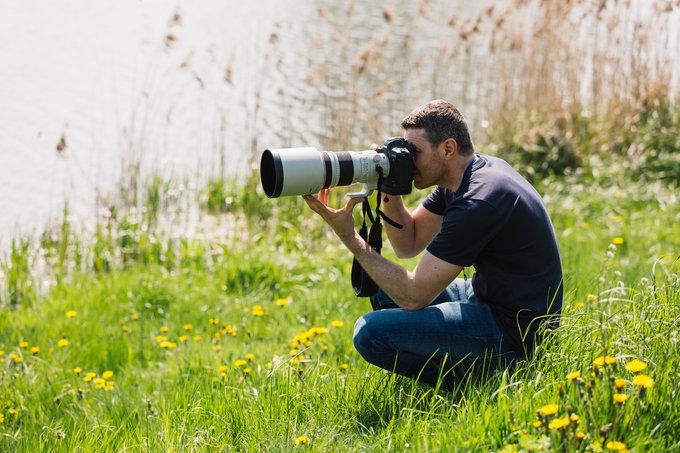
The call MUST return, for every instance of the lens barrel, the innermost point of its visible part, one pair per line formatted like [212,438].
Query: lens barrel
[303,171]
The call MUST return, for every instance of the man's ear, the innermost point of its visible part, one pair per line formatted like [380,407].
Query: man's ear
[450,148]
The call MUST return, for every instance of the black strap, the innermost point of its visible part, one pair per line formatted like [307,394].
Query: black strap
[362,283]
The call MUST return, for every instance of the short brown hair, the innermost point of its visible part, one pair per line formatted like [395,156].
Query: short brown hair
[441,120]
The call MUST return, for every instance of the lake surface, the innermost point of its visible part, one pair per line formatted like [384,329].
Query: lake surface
[92,90]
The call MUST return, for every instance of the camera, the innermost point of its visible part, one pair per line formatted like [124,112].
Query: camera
[304,171]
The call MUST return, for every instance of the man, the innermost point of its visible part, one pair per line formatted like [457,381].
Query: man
[429,324]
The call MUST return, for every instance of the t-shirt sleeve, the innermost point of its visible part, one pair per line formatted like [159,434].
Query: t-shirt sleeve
[467,227]
[436,201]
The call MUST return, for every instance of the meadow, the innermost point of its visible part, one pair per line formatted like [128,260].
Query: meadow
[220,320]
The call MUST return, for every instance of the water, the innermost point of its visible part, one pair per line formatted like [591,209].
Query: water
[88,87]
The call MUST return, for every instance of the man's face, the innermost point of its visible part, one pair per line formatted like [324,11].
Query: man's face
[429,165]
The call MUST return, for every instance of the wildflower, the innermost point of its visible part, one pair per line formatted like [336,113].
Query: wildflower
[537,424]
[214,321]
[548,409]
[250,356]
[635,366]
[619,383]
[15,358]
[344,366]
[164,329]
[240,362]
[197,338]
[2,353]
[99,382]
[615,445]
[184,338]
[77,370]
[13,411]
[2,417]
[247,370]
[619,398]
[644,381]
[107,374]
[301,440]
[580,435]
[258,311]
[63,343]
[135,317]
[23,344]
[337,323]
[109,386]
[224,368]
[559,423]
[574,417]
[216,347]
[282,302]
[617,240]
[591,298]
[603,360]
[187,327]
[71,314]
[617,218]
[168,345]
[35,350]
[573,375]
[580,305]
[124,328]
[89,376]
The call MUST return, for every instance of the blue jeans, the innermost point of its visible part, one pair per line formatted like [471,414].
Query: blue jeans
[454,335]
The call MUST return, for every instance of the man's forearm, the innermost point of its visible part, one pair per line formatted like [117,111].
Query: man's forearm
[402,239]
[395,280]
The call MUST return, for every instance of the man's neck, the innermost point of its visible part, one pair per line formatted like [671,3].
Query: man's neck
[458,171]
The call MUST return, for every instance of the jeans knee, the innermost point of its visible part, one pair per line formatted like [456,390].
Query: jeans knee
[363,339]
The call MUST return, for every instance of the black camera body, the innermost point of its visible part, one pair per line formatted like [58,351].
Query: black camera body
[400,178]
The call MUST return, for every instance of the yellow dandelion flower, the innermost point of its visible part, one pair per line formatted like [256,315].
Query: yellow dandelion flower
[135,317]
[618,218]
[617,240]
[580,305]
[580,435]
[35,350]
[301,440]
[344,366]
[619,383]
[23,344]
[197,338]
[216,347]
[15,358]
[71,314]
[250,356]
[2,353]
[247,370]
[109,386]
[559,423]
[644,381]
[63,343]
[258,311]
[548,409]
[2,417]
[620,397]
[615,445]
[224,368]
[124,328]
[164,329]
[184,338]
[168,345]
[337,323]
[13,411]
[107,374]
[187,327]
[591,298]
[574,417]
[573,375]
[99,382]
[77,370]
[281,302]
[635,366]
[161,338]
[240,362]
[214,321]
[603,360]
[537,424]
[89,376]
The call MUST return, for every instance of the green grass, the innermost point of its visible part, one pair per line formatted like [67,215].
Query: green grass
[278,288]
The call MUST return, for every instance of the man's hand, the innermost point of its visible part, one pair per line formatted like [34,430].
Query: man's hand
[341,220]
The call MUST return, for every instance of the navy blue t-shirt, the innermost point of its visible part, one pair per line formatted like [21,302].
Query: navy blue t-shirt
[497,222]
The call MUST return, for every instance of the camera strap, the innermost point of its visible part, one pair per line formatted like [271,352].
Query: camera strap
[362,283]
